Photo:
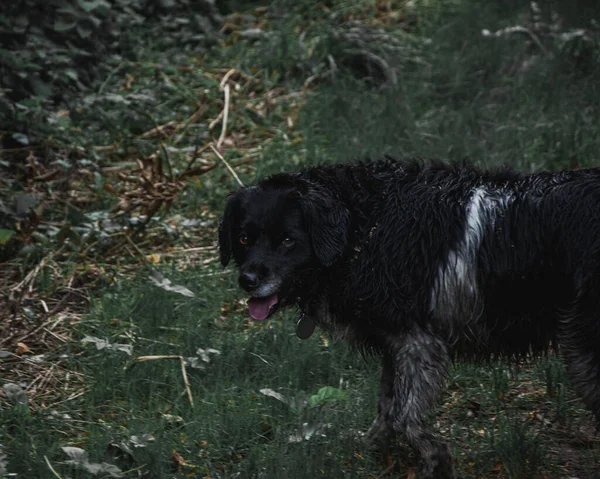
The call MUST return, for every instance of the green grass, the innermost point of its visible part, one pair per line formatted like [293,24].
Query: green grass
[456,99]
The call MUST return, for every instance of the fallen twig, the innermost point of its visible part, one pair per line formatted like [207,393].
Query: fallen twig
[226,78]
[225,118]
[517,29]
[237,178]
[56,474]
[183,371]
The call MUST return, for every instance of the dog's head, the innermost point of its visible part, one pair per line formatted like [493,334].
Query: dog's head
[278,232]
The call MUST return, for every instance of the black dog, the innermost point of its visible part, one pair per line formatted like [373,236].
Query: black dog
[425,262]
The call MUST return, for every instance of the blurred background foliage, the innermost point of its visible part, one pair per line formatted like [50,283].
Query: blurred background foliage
[51,49]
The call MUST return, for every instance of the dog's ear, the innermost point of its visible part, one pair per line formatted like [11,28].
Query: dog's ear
[328,222]
[226,225]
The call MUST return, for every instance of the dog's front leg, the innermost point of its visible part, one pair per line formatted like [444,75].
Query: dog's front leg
[379,434]
[420,361]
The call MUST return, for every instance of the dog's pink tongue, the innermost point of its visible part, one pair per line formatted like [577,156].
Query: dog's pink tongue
[259,308]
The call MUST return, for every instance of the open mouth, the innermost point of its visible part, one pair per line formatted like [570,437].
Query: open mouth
[261,308]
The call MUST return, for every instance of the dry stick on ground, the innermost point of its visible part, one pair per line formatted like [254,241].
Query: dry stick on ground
[225,117]
[51,468]
[226,78]
[226,109]
[183,371]
[219,117]
[237,178]
[225,87]
[32,274]
[192,119]
[195,156]
[518,29]
[226,91]
[49,315]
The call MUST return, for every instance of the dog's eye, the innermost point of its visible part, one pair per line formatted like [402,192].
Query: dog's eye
[243,239]
[287,241]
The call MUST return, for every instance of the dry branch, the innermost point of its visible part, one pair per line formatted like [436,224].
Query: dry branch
[183,371]
[237,178]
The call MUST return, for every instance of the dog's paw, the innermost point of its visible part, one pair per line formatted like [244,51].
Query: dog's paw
[378,437]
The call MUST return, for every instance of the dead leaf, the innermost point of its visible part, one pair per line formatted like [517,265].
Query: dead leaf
[79,457]
[153,258]
[412,474]
[178,458]
[159,280]
[195,363]
[15,393]
[203,353]
[308,431]
[170,418]
[103,344]
[142,441]
[128,81]
[22,348]
[109,188]
[280,397]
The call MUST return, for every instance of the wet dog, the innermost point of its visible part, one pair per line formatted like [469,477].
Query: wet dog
[423,262]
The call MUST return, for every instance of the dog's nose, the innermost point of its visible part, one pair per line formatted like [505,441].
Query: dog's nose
[249,280]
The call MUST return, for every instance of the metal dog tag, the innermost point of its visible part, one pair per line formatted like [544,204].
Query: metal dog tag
[305,327]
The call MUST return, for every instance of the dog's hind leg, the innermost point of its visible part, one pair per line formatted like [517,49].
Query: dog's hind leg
[379,434]
[579,339]
[420,361]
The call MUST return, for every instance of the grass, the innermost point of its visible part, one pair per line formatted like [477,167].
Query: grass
[457,94]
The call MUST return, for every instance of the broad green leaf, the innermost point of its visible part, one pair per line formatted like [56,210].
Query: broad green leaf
[327,394]
[6,235]
[84,32]
[62,26]
[95,20]
[21,138]
[90,5]
[72,74]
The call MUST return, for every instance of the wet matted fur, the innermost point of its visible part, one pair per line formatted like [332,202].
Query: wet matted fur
[423,262]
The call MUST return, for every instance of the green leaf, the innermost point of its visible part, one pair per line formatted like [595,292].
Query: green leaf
[95,20]
[84,32]
[21,138]
[90,5]
[6,235]
[72,74]
[327,394]
[61,26]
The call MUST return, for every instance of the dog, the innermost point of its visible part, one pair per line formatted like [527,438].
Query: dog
[424,262]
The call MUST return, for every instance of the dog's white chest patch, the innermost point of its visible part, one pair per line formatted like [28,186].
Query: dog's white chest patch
[455,287]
